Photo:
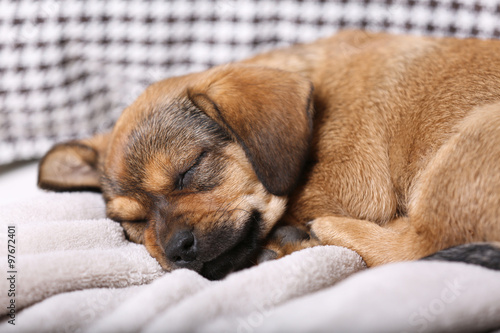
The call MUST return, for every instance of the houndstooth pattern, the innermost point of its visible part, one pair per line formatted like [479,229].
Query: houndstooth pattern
[68,68]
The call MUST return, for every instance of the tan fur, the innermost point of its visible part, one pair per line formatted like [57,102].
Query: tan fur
[418,126]
[73,165]
[126,209]
[403,160]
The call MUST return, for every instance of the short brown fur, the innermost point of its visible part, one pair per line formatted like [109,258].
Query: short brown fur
[388,145]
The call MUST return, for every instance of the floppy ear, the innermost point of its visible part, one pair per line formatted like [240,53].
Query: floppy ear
[268,112]
[73,166]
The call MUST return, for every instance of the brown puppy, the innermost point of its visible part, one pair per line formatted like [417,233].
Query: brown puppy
[388,145]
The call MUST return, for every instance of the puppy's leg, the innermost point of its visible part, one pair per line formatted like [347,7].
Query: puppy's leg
[374,243]
[455,200]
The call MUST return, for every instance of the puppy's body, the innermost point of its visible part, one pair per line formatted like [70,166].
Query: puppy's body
[406,135]
[394,153]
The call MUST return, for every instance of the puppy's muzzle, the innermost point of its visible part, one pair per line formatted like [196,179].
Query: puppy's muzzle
[182,249]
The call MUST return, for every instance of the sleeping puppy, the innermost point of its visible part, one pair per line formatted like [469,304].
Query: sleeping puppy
[387,145]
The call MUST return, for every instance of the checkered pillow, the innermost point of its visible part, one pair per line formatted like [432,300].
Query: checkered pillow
[68,68]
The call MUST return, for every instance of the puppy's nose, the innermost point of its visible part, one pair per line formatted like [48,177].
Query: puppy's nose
[181,249]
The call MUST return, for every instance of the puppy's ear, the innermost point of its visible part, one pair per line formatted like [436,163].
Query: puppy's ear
[268,112]
[73,166]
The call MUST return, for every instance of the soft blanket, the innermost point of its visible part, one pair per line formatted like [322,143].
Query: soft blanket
[76,272]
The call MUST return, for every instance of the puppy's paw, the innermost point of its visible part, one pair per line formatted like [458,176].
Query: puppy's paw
[134,231]
[372,242]
[266,255]
[329,231]
[289,234]
[283,241]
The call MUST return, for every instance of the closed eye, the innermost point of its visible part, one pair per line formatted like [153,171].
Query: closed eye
[184,179]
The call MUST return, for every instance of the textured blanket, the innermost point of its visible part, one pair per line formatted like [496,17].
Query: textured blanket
[75,271]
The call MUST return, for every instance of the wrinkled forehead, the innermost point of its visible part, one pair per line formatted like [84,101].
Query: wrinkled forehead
[167,132]
[169,127]
[165,99]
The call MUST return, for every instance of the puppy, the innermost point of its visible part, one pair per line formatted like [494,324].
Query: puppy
[387,145]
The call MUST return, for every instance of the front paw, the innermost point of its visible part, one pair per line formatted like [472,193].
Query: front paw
[134,231]
[284,240]
[266,255]
[289,234]
[327,231]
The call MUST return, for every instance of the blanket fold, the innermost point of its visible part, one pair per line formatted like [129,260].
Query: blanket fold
[77,272]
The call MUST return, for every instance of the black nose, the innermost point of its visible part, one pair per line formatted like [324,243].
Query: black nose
[181,249]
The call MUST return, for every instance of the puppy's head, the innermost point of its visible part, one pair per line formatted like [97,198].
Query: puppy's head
[198,167]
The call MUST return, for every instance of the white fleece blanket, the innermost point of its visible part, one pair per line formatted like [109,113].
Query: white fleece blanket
[77,273]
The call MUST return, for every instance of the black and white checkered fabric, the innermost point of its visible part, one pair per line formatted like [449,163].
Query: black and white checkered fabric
[68,68]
